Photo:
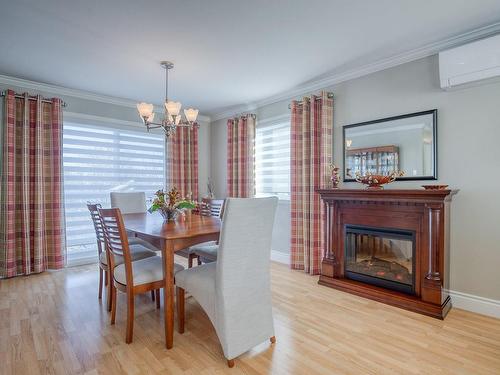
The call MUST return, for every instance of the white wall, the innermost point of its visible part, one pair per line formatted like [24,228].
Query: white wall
[468,134]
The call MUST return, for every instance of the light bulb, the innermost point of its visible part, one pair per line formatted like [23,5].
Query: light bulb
[145,109]
[173,108]
[191,114]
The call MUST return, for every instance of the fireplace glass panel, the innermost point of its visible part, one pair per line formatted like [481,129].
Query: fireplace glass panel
[380,257]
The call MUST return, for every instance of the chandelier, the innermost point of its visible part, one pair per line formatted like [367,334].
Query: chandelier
[172,117]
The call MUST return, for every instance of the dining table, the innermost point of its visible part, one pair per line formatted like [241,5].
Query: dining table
[171,236]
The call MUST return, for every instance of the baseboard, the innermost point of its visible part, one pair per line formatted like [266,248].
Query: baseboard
[480,305]
[280,257]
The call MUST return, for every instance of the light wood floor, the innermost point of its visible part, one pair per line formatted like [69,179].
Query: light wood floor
[53,323]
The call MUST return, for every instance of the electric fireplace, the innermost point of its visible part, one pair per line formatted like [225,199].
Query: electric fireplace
[388,245]
[381,257]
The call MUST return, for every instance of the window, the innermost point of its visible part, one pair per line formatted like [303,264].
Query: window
[272,160]
[98,160]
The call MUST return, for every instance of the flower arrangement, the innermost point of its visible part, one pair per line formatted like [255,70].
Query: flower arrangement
[334,176]
[170,204]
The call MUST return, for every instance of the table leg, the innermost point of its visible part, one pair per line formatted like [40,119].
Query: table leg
[168,293]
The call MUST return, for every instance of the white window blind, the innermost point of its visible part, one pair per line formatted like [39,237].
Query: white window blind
[272,160]
[98,160]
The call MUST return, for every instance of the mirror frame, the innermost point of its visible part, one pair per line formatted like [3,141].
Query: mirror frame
[432,112]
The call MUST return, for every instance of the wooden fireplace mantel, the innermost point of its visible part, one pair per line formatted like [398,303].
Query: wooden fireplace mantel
[426,212]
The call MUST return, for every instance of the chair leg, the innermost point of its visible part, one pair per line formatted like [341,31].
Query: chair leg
[109,289]
[272,339]
[157,293]
[130,317]
[199,260]
[230,363]
[190,260]
[113,304]
[180,294]
[153,295]
[105,278]
[100,282]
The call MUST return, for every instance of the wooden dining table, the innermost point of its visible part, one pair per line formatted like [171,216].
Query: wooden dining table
[170,237]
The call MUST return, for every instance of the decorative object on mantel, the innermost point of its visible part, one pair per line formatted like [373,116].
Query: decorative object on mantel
[172,118]
[334,178]
[170,204]
[390,245]
[375,181]
[435,187]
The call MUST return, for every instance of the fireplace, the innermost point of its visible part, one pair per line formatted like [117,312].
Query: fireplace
[381,257]
[389,245]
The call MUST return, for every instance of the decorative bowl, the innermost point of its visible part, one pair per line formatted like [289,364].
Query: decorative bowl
[435,187]
[376,181]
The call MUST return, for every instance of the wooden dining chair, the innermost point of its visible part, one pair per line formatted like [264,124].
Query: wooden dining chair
[209,207]
[207,252]
[130,277]
[140,249]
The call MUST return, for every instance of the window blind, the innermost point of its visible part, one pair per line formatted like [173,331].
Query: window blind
[272,160]
[98,160]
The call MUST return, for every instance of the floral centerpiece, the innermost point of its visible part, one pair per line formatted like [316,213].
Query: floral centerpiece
[170,204]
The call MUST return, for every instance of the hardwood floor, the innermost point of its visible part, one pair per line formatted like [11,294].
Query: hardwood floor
[53,323]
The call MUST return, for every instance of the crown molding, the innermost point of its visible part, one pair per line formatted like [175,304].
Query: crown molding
[338,77]
[86,95]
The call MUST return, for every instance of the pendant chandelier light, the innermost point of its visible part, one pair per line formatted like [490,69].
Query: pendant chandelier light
[172,117]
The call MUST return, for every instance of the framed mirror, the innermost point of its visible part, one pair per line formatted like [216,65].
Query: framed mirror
[406,143]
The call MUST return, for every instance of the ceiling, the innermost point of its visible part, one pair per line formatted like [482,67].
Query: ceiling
[226,52]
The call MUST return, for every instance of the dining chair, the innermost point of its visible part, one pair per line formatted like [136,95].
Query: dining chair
[139,248]
[235,290]
[209,207]
[130,277]
[207,252]
[129,202]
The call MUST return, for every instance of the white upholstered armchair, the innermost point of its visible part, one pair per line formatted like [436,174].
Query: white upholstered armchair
[235,290]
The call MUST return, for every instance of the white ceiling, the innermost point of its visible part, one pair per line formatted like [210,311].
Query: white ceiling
[226,52]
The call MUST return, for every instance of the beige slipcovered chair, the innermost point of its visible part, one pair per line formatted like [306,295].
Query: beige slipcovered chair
[130,277]
[130,202]
[235,290]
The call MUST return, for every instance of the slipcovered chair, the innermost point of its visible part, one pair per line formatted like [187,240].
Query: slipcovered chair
[130,277]
[235,290]
[129,203]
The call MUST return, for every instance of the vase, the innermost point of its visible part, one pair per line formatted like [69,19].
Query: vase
[169,214]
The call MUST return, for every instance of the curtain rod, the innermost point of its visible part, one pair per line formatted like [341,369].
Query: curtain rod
[329,95]
[63,104]
[245,115]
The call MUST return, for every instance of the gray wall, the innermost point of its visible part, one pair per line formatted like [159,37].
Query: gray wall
[116,112]
[468,133]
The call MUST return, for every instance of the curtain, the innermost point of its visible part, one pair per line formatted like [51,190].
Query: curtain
[241,157]
[31,207]
[182,161]
[311,155]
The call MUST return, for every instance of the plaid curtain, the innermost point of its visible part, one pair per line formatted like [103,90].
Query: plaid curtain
[240,157]
[182,161]
[31,208]
[311,155]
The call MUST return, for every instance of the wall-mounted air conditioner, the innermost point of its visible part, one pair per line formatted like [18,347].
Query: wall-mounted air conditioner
[470,63]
